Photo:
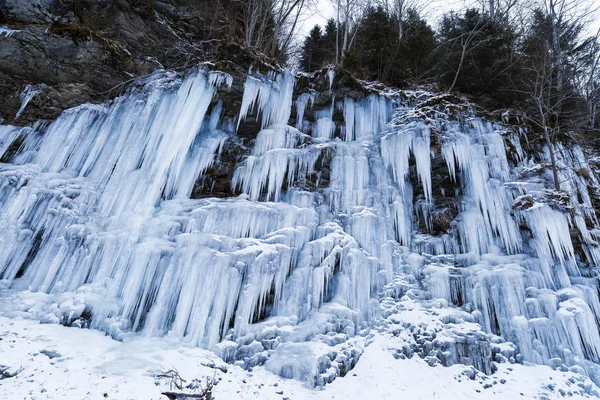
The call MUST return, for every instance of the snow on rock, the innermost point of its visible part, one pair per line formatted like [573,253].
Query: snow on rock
[332,260]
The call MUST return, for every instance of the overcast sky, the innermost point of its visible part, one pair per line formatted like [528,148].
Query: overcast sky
[325,11]
[432,13]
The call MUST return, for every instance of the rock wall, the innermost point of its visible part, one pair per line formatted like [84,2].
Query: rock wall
[77,51]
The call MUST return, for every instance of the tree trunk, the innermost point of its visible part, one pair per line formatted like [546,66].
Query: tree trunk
[460,64]
[337,35]
[552,158]
[400,16]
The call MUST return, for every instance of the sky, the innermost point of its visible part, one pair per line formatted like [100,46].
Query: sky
[324,10]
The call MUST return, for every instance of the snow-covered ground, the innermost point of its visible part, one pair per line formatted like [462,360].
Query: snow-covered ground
[56,362]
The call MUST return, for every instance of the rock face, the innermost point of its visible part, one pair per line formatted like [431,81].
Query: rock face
[76,51]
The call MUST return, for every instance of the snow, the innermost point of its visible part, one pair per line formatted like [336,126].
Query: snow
[87,364]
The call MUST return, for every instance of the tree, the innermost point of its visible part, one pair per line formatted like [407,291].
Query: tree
[398,10]
[317,47]
[286,14]
[330,38]
[267,26]
[313,50]
[498,9]
[417,48]
[379,54]
[349,15]
[475,54]
[376,46]
[553,54]
[589,83]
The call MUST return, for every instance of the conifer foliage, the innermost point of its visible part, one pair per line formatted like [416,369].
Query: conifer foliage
[534,56]
[378,51]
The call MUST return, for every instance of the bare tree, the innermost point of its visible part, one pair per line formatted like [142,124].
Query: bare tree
[286,16]
[467,44]
[540,88]
[497,9]
[549,74]
[467,41]
[256,14]
[492,11]
[268,26]
[348,18]
[178,389]
[399,8]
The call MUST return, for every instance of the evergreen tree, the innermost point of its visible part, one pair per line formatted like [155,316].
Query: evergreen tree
[329,41]
[382,54]
[416,57]
[376,46]
[313,50]
[475,54]
[318,48]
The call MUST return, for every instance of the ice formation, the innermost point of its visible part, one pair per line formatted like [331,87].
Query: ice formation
[28,93]
[6,31]
[332,223]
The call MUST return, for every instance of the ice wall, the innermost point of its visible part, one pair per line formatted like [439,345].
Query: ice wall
[96,218]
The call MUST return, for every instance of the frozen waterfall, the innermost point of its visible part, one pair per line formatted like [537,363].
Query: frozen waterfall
[98,227]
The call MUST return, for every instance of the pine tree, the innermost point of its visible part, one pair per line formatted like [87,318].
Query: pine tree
[475,55]
[313,50]
[416,57]
[376,46]
[329,40]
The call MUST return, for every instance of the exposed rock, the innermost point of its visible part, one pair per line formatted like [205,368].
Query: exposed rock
[216,181]
[441,219]
[50,353]
[523,202]
[8,372]
[88,50]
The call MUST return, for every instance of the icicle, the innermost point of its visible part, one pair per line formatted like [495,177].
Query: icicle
[96,215]
[269,171]
[324,126]
[271,98]
[349,176]
[395,151]
[349,119]
[331,77]
[28,93]
[365,118]
[482,159]
[6,31]
[301,103]
[551,240]
[218,78]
